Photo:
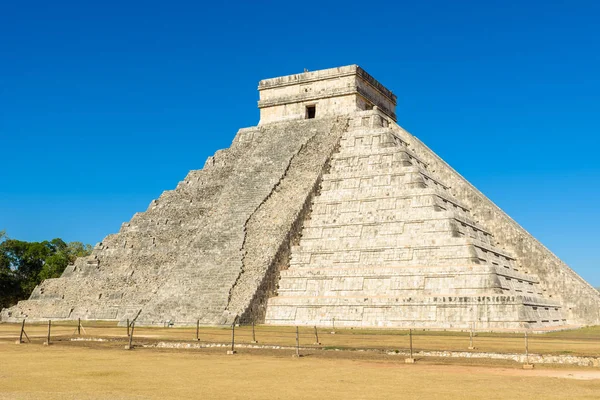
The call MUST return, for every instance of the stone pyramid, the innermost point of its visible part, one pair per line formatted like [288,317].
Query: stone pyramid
[326,211]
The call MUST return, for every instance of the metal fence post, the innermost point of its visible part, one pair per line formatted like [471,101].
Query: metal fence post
[527,365]
[253,334]
[410,360]
[47,342]
[197,330]
[471,347]
[526,348]
[297,343]
[317,336]
[21,334]
[130,345]
[78,326]
[127,326]
[232,351]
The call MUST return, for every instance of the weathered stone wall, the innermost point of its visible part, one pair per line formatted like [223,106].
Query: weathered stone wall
[183,259]
[277,220]
[387,244]
[580,300]
[297,111]
[334,91]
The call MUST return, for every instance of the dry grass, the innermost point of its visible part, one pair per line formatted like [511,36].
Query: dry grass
[65,371]
[585,341]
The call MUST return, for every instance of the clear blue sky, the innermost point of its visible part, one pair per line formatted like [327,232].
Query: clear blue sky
[103,106]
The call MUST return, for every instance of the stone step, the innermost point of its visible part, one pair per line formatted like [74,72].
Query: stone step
[367,194]
[438,300]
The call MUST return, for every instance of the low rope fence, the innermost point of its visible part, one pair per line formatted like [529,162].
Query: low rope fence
[412,343]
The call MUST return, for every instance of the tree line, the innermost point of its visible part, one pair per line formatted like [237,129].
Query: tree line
[24,265]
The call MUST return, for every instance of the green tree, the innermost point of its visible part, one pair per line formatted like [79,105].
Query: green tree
[55,262]
[24,265]
[78,249]
[10,290]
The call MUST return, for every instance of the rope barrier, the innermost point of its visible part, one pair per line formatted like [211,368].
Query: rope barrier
[314,337]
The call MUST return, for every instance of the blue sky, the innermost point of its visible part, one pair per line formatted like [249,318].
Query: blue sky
[103,106]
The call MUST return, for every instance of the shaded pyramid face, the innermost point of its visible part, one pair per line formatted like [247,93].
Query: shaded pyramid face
[387,244]
[204,251]
[326,211]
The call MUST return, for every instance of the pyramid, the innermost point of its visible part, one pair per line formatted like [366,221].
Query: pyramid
[325,212]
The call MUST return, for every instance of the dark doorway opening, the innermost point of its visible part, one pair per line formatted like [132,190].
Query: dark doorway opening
[311,111]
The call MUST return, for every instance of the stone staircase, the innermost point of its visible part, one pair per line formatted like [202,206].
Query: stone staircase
[183,259]
[387,244]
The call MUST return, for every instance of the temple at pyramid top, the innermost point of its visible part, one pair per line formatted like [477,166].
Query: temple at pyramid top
[323,93]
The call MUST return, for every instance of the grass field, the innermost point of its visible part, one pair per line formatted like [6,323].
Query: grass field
[102,371]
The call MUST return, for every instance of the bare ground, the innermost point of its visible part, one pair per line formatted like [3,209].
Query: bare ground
[93,370]
[104,370]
